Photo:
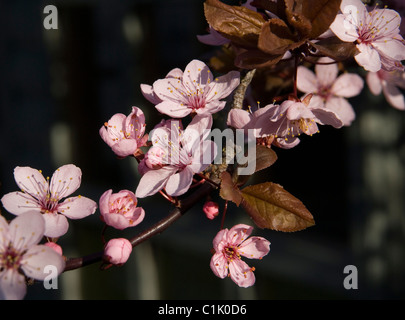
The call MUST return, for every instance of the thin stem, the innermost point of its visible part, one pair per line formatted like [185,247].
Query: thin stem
[223,215]
[174,215]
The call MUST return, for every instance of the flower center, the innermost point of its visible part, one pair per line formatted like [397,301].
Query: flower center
[122,205]
[231,253]
[10,259]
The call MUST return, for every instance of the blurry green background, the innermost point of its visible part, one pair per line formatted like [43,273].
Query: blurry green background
[58,87]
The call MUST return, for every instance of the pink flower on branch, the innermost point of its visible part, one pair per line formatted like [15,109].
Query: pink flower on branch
[285,122]
[376,33]
[125,134]
[38,194]
[21,256]
[177,155]
[388,83]
[117,251]
[330,90]
[194,91]
[230,246]
[119,210]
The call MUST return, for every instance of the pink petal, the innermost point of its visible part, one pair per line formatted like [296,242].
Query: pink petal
[180,182]
[4,238]
[298,110]
[135,123]
[26,230]
[20,202]
[149,94]
[254,248]
[114,129]
[56,225]
[223,86]
[211,108]
[31,181]
[394,96]
[343,29]
[65,181]
[176,73]
[173,109]
[203,156]
[238,118]
[197,131]
[326,116]
[196,74]
[116,221]
[37,258]
[343,109]
[125,147]
[219,265]
[374,83]
[392,48]
[77,207]
[306,80]
[153,181]
[239,233]
[241,273]
[368,58]
[12,285]
[347,85]
[219,239]
[326,73]
[104,201]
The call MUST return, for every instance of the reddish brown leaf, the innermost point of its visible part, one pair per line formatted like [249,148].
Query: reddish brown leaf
[296,18]
[275,37]
[335,48]
[272,207]
[321,14]
[255,59]
[228,190]
[239,24]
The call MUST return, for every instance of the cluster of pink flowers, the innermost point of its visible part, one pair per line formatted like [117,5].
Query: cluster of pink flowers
[170,156]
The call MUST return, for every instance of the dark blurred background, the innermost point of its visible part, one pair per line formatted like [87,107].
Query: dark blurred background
[58,87]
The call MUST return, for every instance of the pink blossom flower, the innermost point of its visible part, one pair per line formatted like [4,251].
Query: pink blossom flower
[329,91]
[211,209]
[37,194]
[21,256]
[117,251]
[388,83]
[119,210]
[376,34]
[182,152]
[125,134]
[285,122]
[195,91]
[230,246]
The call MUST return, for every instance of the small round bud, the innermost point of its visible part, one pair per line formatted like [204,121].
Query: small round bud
[117,251]
[154,158]
[211,209]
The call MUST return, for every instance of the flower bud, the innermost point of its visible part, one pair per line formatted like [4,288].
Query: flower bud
[211,209]
[154,158]
[117,251]
[54,246]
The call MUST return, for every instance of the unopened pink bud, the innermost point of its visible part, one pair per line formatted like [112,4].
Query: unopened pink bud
[54,246]
[117,251]
[154,158]
[211,209]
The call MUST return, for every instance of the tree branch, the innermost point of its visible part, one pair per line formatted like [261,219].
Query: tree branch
[174,215]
